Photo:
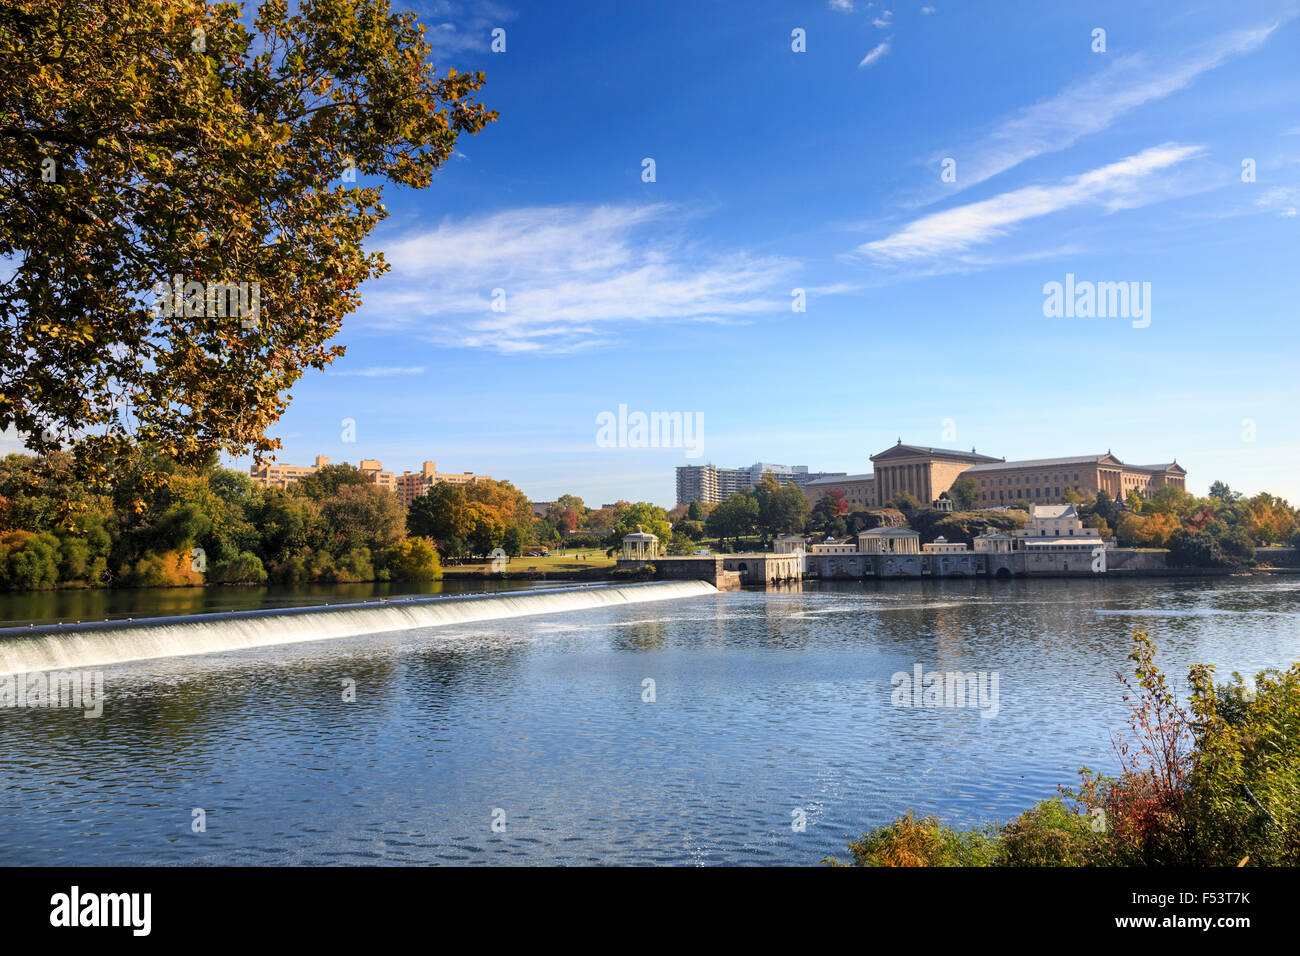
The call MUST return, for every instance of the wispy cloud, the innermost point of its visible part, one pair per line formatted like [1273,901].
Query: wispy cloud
[884,20]
[878,51]
[383,371]
[957,230]
[926,11]
[456,27]
[842,6]
[569,278]
[1092,105]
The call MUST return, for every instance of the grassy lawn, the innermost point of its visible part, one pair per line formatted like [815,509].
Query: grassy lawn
[579,559]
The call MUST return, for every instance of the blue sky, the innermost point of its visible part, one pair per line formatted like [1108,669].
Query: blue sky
[821,170]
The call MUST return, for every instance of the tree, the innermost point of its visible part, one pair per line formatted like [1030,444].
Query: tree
[830,508]
[512,542]
[441,514]
[1195,549]
[413,560]
[155,139]
[362,516]
[1222,492]
[734,517]
[904,502]
[964,493]
[782,509]
[1105,508]
[642,516]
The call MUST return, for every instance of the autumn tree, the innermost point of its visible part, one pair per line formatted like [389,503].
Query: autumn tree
[183,205]
[639,516]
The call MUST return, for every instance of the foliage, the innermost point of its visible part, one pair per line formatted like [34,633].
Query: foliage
[1049,834]
[733,518]
[641,516]
[924,842]
[964,493]
[782,509]
[413,560]
[904,502]
[156,139]
[1214,782]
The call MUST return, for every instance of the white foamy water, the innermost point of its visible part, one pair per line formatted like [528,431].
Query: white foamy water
[93,645]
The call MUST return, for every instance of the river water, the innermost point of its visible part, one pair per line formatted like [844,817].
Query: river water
[768,709]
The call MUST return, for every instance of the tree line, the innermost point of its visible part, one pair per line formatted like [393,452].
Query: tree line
[161,523]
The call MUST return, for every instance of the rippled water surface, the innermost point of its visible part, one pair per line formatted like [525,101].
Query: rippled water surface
[766,703]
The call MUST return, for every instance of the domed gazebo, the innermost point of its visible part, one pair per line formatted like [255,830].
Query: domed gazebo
[640,546]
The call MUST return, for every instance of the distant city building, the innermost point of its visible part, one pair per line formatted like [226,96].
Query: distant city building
[272,475]
[411,484]
[407,486]
[1045,480]
[541,508]
[928,473]
[709,483]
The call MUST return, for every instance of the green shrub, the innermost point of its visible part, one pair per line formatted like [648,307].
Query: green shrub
[413,560]
[1051,834]
[924,842]
[245,568]
[28,561]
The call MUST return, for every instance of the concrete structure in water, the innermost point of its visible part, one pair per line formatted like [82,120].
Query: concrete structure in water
[1054,541]
[726,572]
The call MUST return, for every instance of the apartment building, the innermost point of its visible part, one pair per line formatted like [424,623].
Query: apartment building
[407,486]
[709,483]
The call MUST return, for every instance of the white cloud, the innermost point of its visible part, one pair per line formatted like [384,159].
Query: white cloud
[927,10]
[1092,105]
[572,277]
[879,50]
[383,371]
[455,28]
[956,230]
[883,20]
[843,6]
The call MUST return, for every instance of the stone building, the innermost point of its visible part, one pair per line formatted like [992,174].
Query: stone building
[1044,480]
[858,490]
[923,473]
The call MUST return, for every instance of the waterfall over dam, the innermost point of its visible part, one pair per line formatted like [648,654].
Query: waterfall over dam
[70,646]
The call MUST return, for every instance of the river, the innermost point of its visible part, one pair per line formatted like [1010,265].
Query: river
[534,740]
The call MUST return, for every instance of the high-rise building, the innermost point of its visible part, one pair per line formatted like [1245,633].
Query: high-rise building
[709,483]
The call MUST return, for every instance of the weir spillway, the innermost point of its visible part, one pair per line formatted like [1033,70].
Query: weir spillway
[101,643]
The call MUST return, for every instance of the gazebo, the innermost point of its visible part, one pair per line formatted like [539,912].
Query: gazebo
[640,546]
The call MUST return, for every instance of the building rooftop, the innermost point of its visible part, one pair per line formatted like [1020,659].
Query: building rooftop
[840,479]
[1043,462]
[952,454]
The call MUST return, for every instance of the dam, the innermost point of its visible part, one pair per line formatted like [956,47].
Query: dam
[68,646]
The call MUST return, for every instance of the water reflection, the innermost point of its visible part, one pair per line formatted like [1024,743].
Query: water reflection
[765,702]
